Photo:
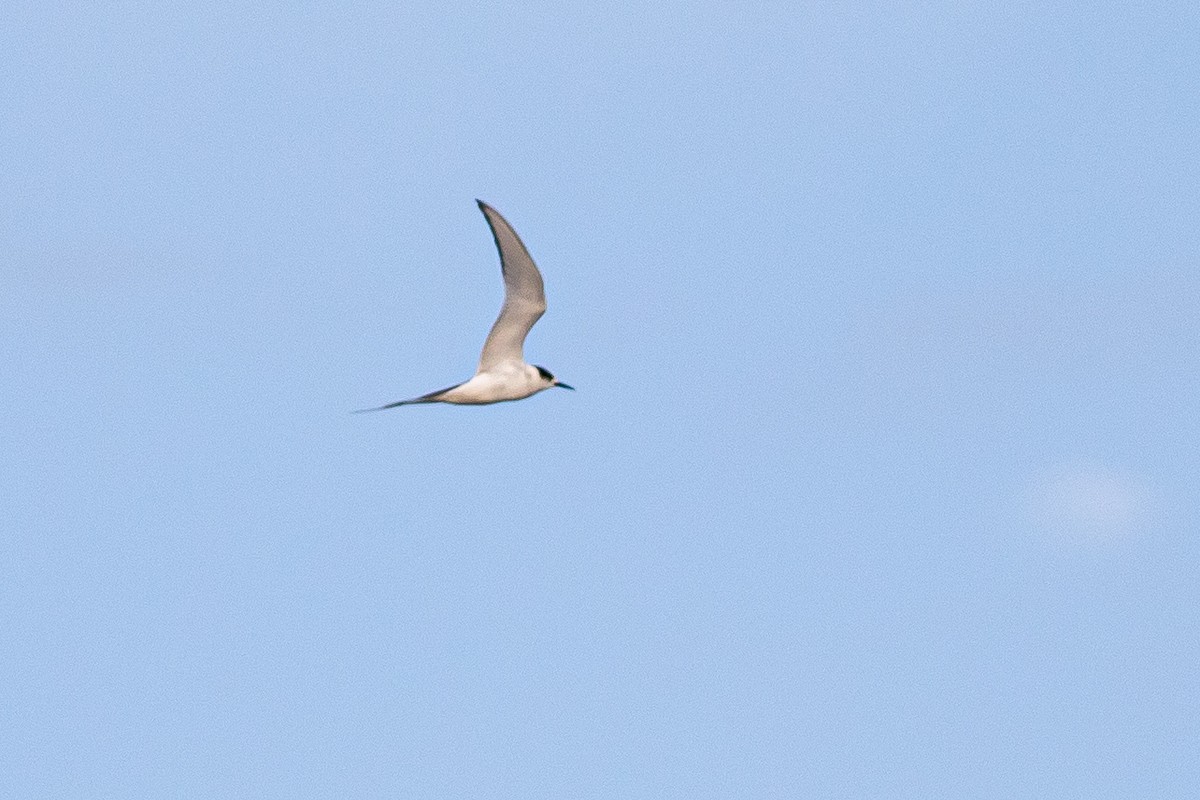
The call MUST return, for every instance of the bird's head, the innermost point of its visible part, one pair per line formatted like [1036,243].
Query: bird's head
[550,379]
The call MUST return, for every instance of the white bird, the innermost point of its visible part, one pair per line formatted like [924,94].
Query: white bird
[502,373]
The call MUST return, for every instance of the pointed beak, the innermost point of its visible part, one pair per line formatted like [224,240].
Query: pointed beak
[562,385]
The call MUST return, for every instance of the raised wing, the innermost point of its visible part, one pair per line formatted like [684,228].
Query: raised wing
[524,295]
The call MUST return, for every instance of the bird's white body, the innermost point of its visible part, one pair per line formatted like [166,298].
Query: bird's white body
[503,374]
[508,380]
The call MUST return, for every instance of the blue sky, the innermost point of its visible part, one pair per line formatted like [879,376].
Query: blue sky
[881,475]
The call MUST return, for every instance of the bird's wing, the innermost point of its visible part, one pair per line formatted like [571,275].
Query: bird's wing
[524,295]
[432,397]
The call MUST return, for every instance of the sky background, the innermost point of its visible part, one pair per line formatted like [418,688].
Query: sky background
[881,480]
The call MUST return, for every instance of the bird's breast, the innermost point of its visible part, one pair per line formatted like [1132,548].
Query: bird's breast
[494,386]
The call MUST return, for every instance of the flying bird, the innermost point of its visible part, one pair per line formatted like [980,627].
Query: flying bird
[502,373]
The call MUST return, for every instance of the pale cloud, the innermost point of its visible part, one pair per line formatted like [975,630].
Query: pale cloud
[1092,503]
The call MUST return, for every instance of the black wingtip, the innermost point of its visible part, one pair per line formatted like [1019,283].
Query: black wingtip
[482,205]
[382,408]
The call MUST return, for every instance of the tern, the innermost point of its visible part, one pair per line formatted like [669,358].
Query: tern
[502,374]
